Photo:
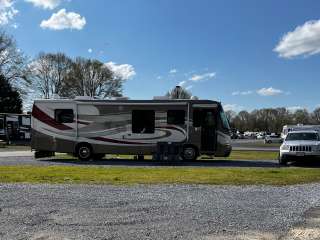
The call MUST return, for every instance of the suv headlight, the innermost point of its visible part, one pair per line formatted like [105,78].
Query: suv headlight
[284,147]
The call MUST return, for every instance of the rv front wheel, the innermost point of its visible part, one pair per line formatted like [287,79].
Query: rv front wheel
[189,153]
[84,152]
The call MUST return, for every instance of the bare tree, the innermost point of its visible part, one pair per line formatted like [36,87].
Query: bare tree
[179,93]
[13,64]
[301,116]
[50,72]
[92,78]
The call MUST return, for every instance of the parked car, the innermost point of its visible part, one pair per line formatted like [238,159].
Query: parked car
[273,139]
[260,136]
[240,136]
[299,144]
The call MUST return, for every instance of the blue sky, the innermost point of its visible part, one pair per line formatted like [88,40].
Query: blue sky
[247,54]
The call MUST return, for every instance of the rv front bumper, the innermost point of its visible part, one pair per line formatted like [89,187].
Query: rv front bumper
[223,150]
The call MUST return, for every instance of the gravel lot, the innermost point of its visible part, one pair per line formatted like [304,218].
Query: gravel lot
[152,212]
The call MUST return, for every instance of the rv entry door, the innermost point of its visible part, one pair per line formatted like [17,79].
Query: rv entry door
[206,119]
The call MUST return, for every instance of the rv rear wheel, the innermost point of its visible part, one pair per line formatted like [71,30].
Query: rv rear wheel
[189,153]
[84,152]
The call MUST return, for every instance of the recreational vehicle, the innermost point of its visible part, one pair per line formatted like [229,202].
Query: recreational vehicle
[93,128]
[2,130]
[299,127]
[15,127]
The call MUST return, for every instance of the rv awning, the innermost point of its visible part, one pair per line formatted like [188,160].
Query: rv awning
[205,105]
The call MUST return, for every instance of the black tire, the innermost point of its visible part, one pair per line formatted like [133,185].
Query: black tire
[84,151]
[282,160]
[189,153]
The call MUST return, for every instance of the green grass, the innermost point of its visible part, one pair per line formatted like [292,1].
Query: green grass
[167,175]
[252,155]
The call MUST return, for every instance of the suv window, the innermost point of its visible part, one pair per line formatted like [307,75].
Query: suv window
[302,136]
[64,115]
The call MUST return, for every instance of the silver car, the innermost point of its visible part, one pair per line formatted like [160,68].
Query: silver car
[273,139]
[299,144]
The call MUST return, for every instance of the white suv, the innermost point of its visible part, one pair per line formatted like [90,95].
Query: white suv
[298,144]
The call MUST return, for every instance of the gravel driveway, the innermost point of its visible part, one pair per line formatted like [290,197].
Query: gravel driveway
[152,212]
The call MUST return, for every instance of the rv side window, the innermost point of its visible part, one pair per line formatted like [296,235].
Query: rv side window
[204,118]
[175,116]
[63,115]
[143,121]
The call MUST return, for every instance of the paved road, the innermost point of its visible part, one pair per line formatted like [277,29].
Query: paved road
[49,212]
[263,149]
[16,153]
[252,145]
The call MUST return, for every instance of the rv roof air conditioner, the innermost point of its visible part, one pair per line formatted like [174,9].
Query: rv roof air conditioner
[83,98]
[161,98]
[120,98]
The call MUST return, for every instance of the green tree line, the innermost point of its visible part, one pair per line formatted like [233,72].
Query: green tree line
[271,119]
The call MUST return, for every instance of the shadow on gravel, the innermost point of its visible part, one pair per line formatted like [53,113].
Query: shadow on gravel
[147,163]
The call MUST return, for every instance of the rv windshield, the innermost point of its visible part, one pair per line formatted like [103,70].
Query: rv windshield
[224,120]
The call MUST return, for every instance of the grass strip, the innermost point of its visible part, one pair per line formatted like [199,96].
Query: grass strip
[167,175]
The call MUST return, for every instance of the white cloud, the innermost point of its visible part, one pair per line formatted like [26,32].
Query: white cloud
[197,77]
[124,71]
[232,107]
[90,50]
[269,91]
[294,108]
[189,87]
[64,20]
[45,4]
[242,93]
[173,71]
[182,83]
[304,40]
[7,11]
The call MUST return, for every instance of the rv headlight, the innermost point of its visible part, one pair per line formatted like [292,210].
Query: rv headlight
[284,147]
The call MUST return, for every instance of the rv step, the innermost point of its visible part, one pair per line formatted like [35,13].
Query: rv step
[168,152]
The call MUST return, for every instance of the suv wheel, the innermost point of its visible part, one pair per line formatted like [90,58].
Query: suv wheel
[282,160]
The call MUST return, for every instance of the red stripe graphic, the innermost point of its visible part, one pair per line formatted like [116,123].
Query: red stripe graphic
[45,118]
[103,139]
